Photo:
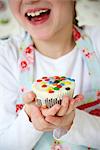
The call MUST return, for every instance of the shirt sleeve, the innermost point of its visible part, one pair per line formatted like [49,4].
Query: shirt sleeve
[16,132]
[84,131]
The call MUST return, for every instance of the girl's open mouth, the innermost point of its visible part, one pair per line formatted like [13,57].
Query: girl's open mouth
[38,16]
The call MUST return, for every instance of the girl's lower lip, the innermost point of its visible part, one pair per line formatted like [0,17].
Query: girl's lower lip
[40,20]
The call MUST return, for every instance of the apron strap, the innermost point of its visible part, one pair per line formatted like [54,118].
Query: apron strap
[84,43]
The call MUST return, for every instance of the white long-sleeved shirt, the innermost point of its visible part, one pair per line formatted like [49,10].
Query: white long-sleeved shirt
[16,132]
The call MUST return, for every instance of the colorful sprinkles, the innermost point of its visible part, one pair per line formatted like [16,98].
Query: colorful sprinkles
[52,84]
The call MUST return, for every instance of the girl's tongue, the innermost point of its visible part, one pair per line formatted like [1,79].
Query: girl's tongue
[38,17]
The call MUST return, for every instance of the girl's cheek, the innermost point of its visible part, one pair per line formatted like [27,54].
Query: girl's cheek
[15,6]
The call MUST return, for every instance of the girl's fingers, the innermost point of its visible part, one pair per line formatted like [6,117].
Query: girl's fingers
[54,120]
[64,121]
[71,106]
[79,98]
[74,103]
[64,106]
[98,94]
[29,97]
[39,121]
[51,111]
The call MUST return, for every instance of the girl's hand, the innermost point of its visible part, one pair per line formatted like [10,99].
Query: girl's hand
[66,113]
[66,107]
[34,113]
[49,119]
[64,121]
[29,100]
[39,122]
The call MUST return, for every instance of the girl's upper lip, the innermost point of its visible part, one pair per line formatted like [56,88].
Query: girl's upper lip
[36,9]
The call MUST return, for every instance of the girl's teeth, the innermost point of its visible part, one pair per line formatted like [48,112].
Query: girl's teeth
[37,13]
[32,14]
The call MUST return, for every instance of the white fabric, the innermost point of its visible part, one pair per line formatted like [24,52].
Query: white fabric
[17,133]
[69,65]
[84,131]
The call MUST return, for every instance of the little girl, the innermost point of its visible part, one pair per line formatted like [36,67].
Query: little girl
[51,46]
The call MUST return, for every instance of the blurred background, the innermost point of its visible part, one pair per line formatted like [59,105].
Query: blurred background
[88,13]
[8,24]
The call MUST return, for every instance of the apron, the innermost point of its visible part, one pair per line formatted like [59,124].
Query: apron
[92,102]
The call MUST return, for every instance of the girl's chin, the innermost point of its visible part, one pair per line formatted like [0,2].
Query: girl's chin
[41,36]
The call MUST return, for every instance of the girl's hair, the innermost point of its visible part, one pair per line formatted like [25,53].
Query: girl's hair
[75,20]
[75,15]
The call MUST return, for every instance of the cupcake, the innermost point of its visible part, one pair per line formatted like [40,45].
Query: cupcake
[50,90]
